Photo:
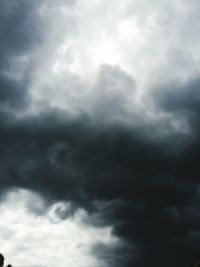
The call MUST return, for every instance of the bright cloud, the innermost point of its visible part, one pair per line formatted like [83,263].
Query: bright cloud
[148,41]
[30,239]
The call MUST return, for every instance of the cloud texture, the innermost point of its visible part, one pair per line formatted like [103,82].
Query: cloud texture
[99,109]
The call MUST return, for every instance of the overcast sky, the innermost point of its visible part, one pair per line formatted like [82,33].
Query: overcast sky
[99,132]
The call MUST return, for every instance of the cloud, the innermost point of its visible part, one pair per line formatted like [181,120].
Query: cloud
[99,112]
[20,32]
[79,162]
[16,21]
[46,240]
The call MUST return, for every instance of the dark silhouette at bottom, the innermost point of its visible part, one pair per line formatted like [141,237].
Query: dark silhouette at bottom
[2,261]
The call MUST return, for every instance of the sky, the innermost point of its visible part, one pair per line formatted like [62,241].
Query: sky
[99,133]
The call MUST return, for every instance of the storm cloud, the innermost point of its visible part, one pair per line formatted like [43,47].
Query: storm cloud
[124,150]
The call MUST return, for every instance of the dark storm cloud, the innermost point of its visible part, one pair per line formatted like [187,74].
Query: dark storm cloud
[117,255]
[124,176]
[12,94]
[19,32]
[74,160]
[150,192]
[180,97]
[182,102]
[18,27]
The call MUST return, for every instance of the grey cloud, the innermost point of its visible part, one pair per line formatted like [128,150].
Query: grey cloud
[147,190]
[19,26]
[125,174]
[116,255]
[114,93]
[181,100]
[13,94]
[19,32]
[75,161]
[180,96]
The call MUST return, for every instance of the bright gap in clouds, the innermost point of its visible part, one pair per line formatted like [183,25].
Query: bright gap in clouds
[79,37]
[31,238]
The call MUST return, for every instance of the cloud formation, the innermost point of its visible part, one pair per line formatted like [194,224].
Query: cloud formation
[32,240]
[99,110]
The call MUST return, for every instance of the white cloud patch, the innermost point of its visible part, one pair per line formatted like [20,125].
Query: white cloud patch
[151,42]
[30,239]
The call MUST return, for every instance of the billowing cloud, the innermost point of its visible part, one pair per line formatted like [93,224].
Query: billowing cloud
[31,239]
[99,111]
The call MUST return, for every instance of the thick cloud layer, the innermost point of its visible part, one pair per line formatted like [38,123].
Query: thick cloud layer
[127,155]
[155,190]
